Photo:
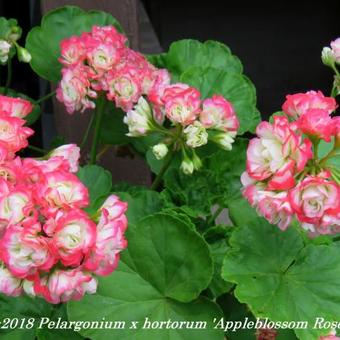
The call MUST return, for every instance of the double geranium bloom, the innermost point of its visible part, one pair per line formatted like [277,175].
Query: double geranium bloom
[284,178]
[49,246]
[277,154]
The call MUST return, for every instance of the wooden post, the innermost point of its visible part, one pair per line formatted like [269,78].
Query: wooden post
[125,11]
[72,127]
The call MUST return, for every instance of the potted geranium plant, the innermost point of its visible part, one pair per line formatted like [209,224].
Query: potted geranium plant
[84,257]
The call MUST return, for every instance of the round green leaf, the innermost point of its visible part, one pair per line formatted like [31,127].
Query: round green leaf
[237,88]
[113,130]
[228,167]
[126,297]
[184,213]
[281,279]
[159,60]
[235,311]
[46,333]
[165,244]
[36,111]
[238,204]
[43,42]
[97,180]
[198,191]
[218,181]
[324,149]
[186,53]
[161,274]
[143,144]
[20,308]
[141,204]
[277,114]
[218,285]
[157,164]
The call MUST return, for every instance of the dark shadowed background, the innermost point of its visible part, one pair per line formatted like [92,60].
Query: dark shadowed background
[278,42]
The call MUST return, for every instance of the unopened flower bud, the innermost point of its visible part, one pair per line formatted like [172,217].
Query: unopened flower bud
[160,150]
[23,55]
[224,139]
[15,33]
[28,287]
[196,161]
[196,135]
[4,50]
[327,56]
[139,119]
[187,166]
[143,107]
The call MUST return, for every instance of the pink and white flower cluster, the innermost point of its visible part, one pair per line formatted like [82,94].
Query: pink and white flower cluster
[49,246]
[100,61]
[197,120]
[284,177]
[182,104]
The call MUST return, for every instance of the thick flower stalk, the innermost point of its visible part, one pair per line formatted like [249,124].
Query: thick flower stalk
[285,178]
[100,61]
[49,246]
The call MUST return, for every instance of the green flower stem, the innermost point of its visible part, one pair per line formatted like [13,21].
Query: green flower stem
[315,142]
[336,179]
[9,76]
[103,151]
[164,168]
[334,91]
[87,132]
[34,148]
[158,128]
[335,174]
[101,104]
[335,70]
[42,99]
